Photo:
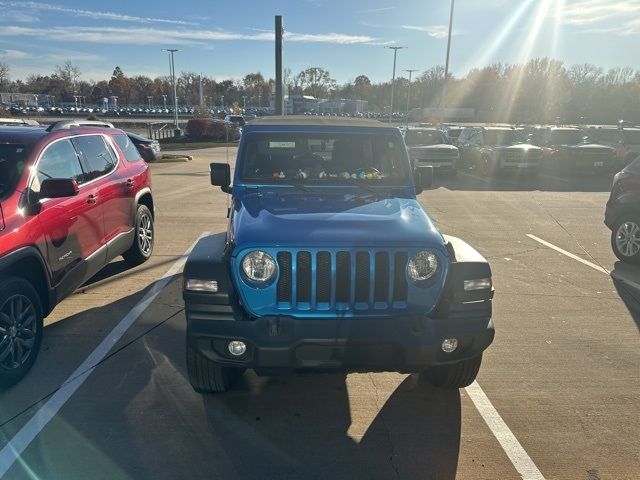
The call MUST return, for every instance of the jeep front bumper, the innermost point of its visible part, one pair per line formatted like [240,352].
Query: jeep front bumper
[403,344]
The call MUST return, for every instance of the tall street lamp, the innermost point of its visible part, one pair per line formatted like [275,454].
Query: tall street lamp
[410,70]
[172,72]
[164,99]
[393,78]
[446,64]
[149,97]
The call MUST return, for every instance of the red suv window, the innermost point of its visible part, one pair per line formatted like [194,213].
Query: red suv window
[99,160]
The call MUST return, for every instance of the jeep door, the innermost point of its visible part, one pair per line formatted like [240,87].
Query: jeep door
[101,164]
[73,226]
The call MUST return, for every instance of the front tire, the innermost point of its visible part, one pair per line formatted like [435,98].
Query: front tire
[144,237]
[207,376]
[625,238]
[454,375]
[20,329]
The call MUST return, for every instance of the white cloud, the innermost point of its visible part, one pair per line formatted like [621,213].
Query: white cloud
[96,15]
[152,36]
[620,16]
[13,54]
[377,10]
[435,31]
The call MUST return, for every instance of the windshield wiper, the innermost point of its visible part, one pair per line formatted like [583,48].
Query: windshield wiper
[364,187]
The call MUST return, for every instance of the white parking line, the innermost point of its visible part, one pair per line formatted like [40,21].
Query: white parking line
[569,254]
[21,440]
[509,443]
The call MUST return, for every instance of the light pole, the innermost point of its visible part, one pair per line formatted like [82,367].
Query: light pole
[446,64]
[222,101]
[149,97]
[164,99]
[393,78]
[172,70]
[259,100]
[244,102]
[410,70]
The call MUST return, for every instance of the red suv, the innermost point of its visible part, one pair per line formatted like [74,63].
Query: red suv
[73,197]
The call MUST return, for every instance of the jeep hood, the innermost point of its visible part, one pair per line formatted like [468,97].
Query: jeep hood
[331,220]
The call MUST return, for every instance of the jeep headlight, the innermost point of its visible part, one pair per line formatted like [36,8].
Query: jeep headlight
[422,266]
[258,266]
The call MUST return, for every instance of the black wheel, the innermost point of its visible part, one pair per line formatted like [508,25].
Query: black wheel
[625,238]
[20,329]
[207,376]
[142,246]
[454,375]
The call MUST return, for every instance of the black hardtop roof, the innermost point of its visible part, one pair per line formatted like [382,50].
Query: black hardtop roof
[313,121]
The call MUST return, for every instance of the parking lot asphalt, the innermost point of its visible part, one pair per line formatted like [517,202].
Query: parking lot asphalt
[563,373]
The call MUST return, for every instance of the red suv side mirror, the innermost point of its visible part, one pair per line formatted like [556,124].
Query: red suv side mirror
[58,188]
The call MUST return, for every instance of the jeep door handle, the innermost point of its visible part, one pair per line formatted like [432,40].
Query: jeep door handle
[131,183]
[92,199]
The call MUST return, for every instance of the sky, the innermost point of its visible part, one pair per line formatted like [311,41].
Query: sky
[224,39]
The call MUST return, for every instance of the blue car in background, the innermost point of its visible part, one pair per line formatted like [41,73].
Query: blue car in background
[330,263]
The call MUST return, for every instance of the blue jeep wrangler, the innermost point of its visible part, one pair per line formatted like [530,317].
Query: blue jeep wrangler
[329,262]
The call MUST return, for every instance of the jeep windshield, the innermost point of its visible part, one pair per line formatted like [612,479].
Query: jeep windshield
[324,159]
[424,137]
[12,162]
[501,137]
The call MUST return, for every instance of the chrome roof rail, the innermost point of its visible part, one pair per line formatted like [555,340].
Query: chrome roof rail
[67,124]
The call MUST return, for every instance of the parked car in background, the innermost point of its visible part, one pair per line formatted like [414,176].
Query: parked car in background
[569,150]
[212,129]
[491,150]
[430,146]
[149,149]
[236,120]
[453,132]
[622,214]
[626,141]
[72,198]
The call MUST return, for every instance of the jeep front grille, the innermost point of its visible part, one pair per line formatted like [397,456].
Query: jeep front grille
[341,280]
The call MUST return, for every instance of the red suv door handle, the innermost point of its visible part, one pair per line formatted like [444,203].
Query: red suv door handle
[92,199]
[131,183]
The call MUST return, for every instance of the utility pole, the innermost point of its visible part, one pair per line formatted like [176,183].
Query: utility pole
[201,97]
[172,71]
[279,103]
[410,70]
[393,78]
[446,65]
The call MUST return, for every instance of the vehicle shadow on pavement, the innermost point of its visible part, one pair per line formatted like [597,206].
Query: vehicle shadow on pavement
[626,279]
[468,180]
[136,416]
[297,427]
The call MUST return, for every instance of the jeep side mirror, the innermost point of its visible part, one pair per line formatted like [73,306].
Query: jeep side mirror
[58,188]
[221,176]
[422,177]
